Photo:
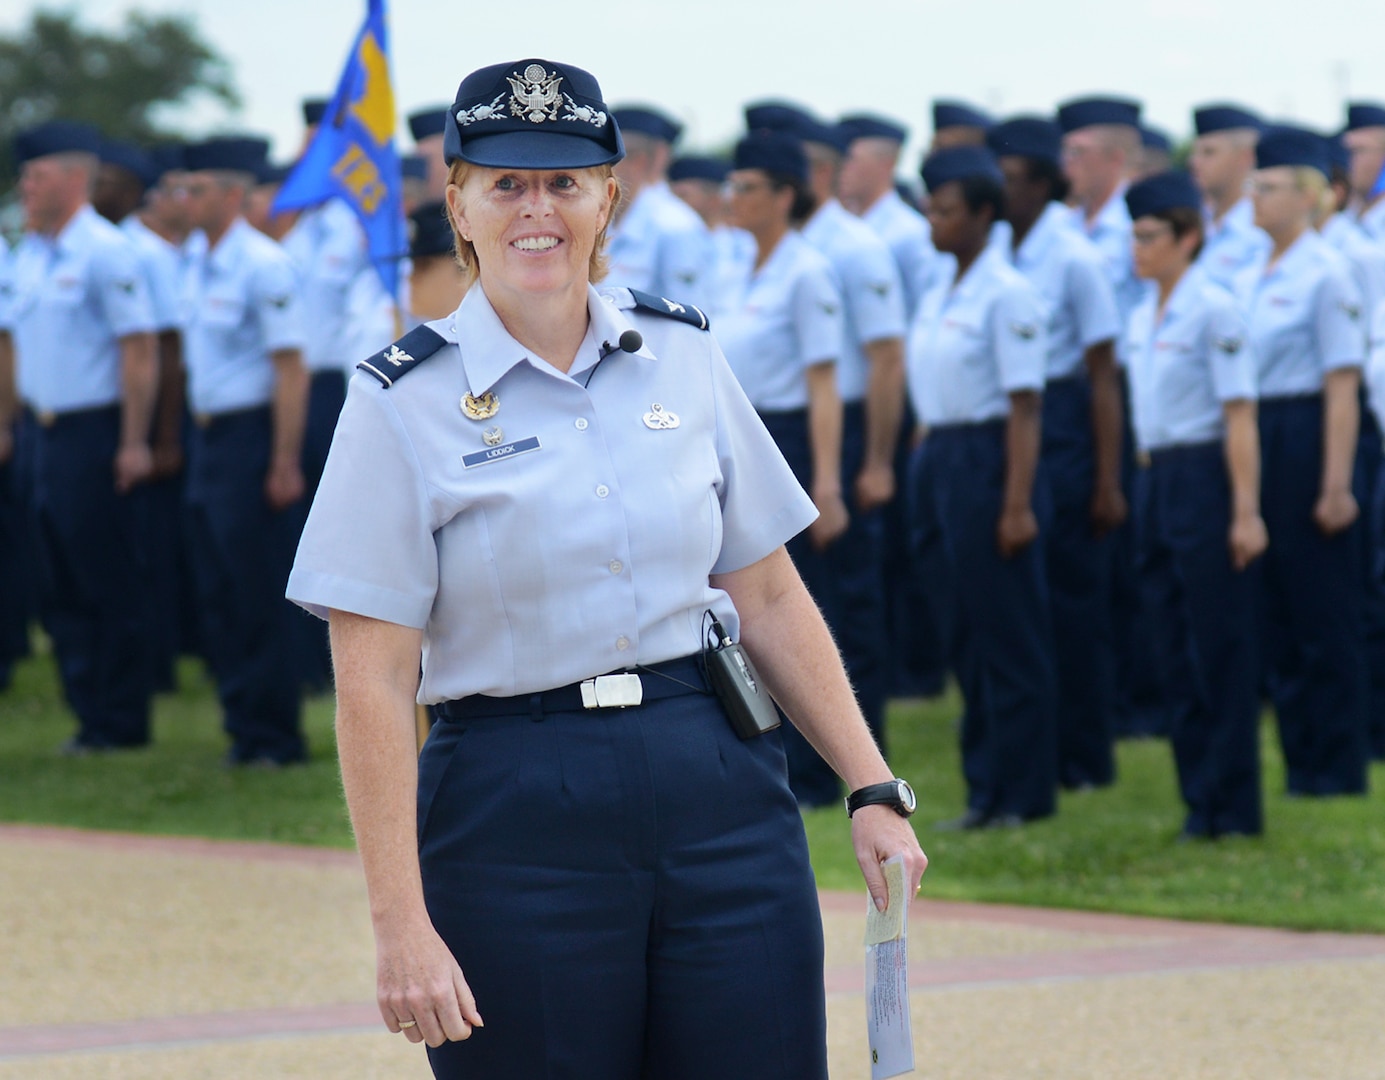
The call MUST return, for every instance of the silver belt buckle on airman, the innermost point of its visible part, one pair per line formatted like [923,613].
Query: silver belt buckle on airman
[480,408]
[612,691]
[658,419]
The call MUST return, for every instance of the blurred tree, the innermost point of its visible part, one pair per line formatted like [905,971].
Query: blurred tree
[54,67]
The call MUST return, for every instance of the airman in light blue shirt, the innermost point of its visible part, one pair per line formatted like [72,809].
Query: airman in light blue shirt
[1221,162]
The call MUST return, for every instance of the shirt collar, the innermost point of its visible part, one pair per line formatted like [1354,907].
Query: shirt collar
[976,273]
[226,255]
[1296,253]
[78,226]
[1193,278]
[1043,233]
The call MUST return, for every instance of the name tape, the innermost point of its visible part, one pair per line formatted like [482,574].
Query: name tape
[500,453]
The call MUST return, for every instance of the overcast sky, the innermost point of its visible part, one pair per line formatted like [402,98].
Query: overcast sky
[702,60]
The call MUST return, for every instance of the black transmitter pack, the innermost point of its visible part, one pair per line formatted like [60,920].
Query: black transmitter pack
[737,686]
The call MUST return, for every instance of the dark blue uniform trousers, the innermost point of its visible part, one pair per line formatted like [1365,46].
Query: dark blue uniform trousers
[1004,636]
[1079,566]
[1370,478]
[1210,638]
[845,582]
[242,552]
[94,575]
[628,895]
[1313,633]
[15,568]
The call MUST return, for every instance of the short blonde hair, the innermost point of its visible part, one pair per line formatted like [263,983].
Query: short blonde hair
[1312,182]
[466,251]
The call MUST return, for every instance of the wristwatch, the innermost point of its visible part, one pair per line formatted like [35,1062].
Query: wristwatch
[896,794]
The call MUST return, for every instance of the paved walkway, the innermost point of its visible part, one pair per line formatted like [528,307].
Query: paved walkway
[142,958]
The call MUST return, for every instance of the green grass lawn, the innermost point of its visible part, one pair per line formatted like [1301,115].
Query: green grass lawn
[1321,864]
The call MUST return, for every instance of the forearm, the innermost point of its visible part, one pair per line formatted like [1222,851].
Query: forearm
[1341,425]
[884,401]
[379,764]
[786,637]
[139,376]
[1107,414]
[290,406]
[168,404]
[9,401]
[1242,448]
[1022,432]
[825,429]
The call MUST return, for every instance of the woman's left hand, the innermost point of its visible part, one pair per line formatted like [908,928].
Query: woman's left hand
[832,519]
[877,834]
[1335,510]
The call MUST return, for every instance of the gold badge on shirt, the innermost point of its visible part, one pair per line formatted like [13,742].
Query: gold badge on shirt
[480,408]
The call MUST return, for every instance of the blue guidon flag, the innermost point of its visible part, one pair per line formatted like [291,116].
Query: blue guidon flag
[352,155]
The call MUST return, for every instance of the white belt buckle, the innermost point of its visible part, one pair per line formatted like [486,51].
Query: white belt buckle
[612,691]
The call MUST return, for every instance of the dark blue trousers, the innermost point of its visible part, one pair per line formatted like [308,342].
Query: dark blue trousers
[167,577]
[1079,568]
[628,895]
[1313,633]
[242,552]
[1370,485]
[94,575]
[15,569]
[1212,674]
[1004,641]
[845,581]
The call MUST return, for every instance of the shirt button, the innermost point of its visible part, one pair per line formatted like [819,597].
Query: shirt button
[602,491]
[622,643]
[616,566]
[581,423]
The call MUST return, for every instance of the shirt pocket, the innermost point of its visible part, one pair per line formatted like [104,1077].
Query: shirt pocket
[220,312]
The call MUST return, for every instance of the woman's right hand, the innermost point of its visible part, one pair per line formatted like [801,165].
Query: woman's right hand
[418,979]
[832,520]
[1248,539]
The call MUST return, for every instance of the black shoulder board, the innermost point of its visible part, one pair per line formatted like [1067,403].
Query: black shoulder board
[403,356]
[669,309]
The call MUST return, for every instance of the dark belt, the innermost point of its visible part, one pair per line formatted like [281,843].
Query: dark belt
[46,418]
[231,416]
[671,678]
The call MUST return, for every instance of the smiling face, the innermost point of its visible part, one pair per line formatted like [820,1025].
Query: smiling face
[533,230]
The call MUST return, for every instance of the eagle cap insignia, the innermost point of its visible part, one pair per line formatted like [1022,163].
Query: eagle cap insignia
[536,95]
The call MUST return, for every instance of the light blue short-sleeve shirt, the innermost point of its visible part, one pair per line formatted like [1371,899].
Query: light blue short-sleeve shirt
[1232,245]
[1365,257]
[910,240]
[974,343]
[1067,271]
[6,286]
[75,296]
[661,246]
[1305,318]
[869,283]
[239,306]
[776,322]
[162,266]
[1110,232]
[1375,366]
[581,542]
[1186,365]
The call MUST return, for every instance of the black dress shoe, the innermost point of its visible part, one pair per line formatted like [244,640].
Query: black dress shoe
[972,819]
[1006,821]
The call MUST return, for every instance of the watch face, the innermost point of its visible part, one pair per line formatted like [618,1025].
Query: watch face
[906,796]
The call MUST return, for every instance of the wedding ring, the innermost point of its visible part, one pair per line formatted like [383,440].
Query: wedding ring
[405,1024]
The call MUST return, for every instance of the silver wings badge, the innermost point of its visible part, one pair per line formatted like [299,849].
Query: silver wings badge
[536,96]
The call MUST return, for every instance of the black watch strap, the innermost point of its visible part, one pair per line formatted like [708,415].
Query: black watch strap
[896,794]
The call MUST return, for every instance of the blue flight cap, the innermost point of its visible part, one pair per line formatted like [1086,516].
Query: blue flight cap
[1293,146]
[955,114]
[1213,118]
[230,153]
[430,231]
[796,121]
[314,109]
[1152,138]
[428,122]
[1163,191]
[272,174]
[531,114]
[870,126]
[959,163]
[1026,136]
[775,152]
[1363,114]
[168,157]
[648,121]
[56,137]
[413,167]
[698,168]
[128,156]
[1338,156]
[1088,112]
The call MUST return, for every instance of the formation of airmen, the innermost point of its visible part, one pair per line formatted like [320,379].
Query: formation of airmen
[1097,438]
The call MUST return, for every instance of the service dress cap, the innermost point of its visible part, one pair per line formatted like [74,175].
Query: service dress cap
[130,157]
[694,167]
[531,114]
[1034,137]
[1089,112]
[231,153]
[870,126]
[56,137]
[314,109]
[1173,190]
[426,123]
[430,231]
[775,152]
[1364,114]
[1210,119]
[647,121]
[959,163]
[958,114]
[1296,147]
